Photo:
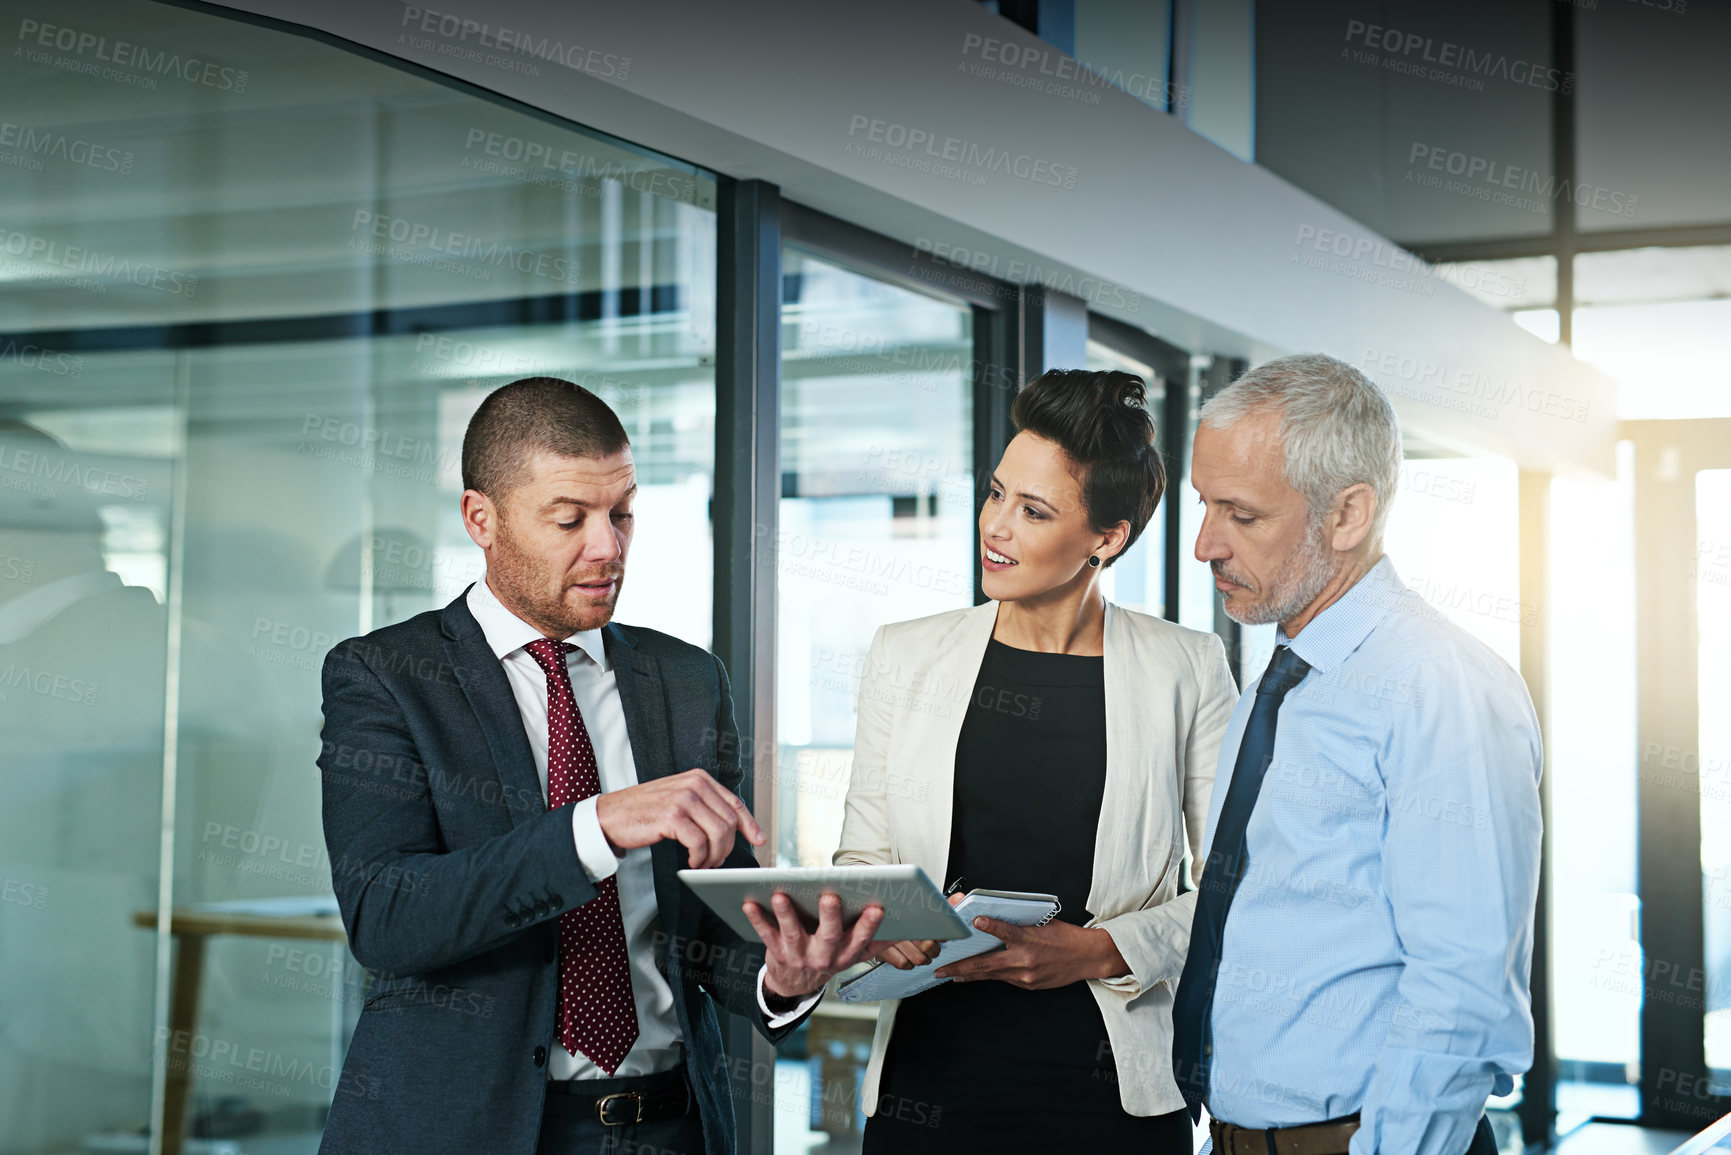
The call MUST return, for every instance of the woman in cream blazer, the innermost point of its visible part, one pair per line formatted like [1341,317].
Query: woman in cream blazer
[1009,1058]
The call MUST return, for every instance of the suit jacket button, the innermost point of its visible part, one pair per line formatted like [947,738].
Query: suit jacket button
[540,1056]
[512,918]
[542,910]
[555,901]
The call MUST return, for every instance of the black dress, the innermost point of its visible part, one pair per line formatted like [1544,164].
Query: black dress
[986,1066]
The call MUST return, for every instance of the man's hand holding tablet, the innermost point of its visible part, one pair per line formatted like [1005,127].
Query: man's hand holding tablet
[703,816]
[800,962]
[816,921]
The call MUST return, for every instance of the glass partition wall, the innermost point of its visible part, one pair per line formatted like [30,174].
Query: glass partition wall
[876,526]
[247,315]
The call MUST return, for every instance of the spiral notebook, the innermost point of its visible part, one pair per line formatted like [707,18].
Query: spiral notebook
[883,981]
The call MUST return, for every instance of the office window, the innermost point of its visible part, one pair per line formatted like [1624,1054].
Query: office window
[1453,537]
[1596,958]
[1711,772]
[1515,283]
[876,511]
[1127,46]
[1219,103]
[250,309]
[1137,579]
[1658,322]
[877,516]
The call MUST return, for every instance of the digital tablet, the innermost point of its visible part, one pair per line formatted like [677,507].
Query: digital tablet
[913,906]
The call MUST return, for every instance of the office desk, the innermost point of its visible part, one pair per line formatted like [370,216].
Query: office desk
[191,926]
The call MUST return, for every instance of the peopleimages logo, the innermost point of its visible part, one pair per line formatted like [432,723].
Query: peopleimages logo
[87,268]
[1415,54]
[1464,390]
[124,54]
[1019,272]
[56,468]
[534,154]
[1485,179]
[35,144]
[459,32]
[30,356]
[1367,257]
[435,241]
[1048,70]
[922,150]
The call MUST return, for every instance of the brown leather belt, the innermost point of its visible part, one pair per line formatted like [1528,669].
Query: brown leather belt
[1330,1138]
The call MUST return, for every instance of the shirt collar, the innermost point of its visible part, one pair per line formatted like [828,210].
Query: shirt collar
[507,633]
[1341,628]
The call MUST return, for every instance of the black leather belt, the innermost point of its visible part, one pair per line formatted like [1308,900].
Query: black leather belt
[1330,1138]
[617,1102]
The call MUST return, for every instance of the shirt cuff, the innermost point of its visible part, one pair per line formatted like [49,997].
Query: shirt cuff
[775,1021]
[599,861]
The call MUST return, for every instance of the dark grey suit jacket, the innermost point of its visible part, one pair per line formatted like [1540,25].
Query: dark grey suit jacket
[451,874]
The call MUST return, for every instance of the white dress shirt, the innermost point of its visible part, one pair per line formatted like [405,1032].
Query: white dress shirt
[659,1045]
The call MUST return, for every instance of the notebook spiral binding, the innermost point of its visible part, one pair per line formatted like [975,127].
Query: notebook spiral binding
[1056,907]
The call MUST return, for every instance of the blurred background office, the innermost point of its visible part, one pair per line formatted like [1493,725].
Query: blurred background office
[260,260]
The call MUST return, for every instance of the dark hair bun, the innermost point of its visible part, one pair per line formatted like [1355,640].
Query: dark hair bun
[1122,404]
[1124,389]
[1093,415]
[1100,419]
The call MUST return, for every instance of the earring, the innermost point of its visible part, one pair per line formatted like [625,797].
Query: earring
[1094,561]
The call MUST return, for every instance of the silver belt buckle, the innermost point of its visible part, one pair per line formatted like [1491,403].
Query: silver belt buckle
[636,1097]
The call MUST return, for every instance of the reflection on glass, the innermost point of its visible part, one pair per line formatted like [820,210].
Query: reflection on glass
[230,435]
[82,682]
[877,523]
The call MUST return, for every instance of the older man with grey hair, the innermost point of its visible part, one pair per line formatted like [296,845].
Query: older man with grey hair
[1376,843]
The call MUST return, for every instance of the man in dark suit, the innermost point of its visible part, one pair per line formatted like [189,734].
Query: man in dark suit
[508,783]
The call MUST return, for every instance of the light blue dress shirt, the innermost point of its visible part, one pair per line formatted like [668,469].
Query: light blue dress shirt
[1377,953]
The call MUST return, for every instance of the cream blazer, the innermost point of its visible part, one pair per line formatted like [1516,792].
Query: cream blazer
[1169,695]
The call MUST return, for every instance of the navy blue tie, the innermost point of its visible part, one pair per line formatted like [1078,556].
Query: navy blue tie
[1227,859]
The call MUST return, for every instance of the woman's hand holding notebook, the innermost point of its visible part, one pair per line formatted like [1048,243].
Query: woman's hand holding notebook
[1013,906]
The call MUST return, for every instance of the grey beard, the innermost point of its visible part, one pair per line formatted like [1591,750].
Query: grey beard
[1300,581]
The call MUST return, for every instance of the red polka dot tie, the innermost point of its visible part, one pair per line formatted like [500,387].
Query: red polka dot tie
[597,1016]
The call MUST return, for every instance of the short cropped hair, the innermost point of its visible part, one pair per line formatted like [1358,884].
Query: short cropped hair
[536,414]
[1101,422]
[1337,428]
